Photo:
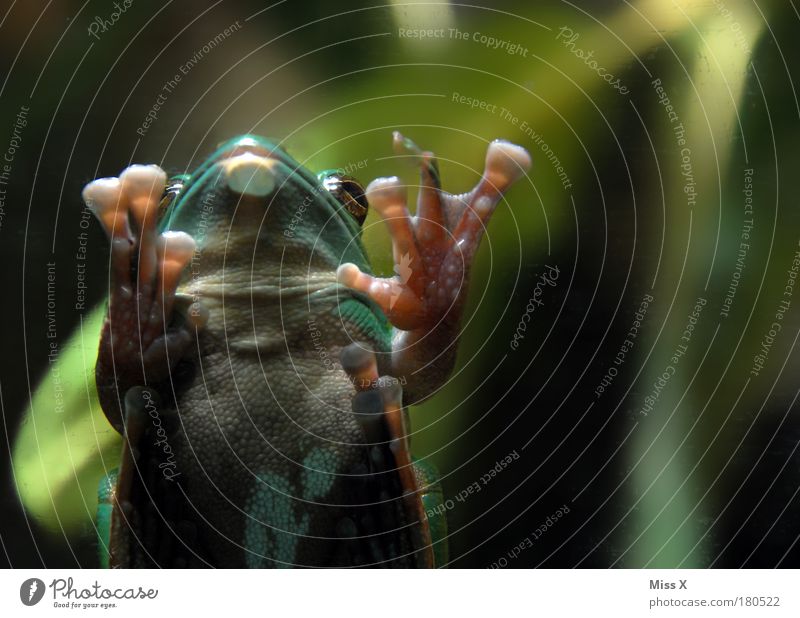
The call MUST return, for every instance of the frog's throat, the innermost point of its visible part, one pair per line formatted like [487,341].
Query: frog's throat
[263,316]
[291,288]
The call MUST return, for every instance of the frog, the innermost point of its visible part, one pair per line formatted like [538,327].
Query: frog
[259,371]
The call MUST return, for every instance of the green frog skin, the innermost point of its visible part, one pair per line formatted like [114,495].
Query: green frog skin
[253,363]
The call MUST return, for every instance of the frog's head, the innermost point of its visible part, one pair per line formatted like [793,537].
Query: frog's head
[251,197]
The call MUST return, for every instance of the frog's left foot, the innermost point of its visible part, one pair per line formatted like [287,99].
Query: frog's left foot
[141,341]
[433,252]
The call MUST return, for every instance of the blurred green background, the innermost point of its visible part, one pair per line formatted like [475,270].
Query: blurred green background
[628,201]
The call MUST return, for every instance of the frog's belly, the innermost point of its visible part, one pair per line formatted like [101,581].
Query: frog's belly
[269,452]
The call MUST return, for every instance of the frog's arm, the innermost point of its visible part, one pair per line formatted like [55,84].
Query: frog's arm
[136,347]
[433,253]
[65,444]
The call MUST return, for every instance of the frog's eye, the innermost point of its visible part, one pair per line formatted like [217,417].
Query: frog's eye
[171,191]
[349,192]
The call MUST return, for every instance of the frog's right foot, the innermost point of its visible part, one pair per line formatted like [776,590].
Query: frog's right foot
[433,252]
[148,328]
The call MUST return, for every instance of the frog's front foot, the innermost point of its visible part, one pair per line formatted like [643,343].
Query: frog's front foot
[433,252]
[148,327]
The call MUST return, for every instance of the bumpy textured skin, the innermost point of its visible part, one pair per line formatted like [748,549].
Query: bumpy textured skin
[271,467]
